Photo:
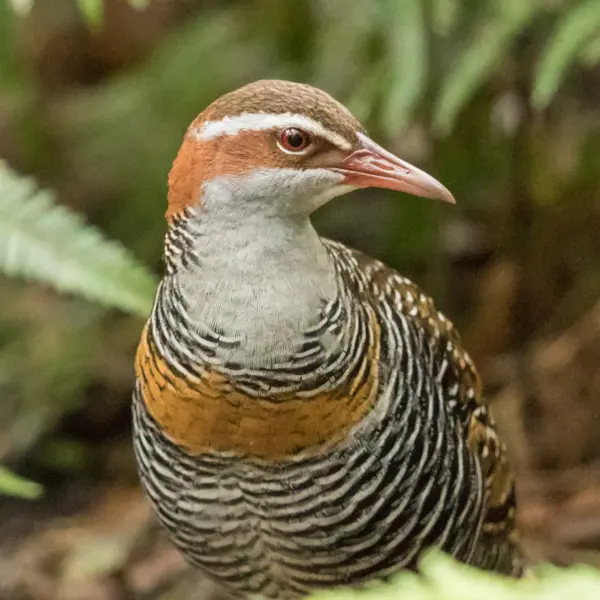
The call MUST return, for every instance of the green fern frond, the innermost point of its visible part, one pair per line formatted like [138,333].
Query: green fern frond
[571,36]
[408,61]
[479,58]
[441,578]
[42,241]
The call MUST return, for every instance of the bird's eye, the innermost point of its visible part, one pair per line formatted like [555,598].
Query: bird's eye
[294,140]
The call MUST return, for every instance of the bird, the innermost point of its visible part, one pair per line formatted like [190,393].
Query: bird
[304,417]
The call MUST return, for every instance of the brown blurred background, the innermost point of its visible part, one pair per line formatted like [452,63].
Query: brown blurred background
[500,101]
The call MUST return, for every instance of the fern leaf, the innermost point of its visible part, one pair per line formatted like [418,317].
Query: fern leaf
[571,35]
[42,241]
[408,61]
[479,58]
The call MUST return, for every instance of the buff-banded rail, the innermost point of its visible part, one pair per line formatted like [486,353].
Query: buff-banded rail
[304,417]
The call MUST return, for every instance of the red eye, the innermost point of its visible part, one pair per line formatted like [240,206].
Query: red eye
[294,140]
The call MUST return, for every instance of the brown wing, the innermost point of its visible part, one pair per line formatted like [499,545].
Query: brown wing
[499,535]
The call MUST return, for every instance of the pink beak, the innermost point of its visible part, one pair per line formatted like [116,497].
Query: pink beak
[373,166]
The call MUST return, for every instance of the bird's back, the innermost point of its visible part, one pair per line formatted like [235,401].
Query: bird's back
[418,463]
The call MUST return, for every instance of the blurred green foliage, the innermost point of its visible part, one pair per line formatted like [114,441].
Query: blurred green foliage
[47,243]
[469,37]
[569,43]
[443,579]
[13,485]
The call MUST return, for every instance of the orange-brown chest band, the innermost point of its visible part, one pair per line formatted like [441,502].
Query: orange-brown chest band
[213,416]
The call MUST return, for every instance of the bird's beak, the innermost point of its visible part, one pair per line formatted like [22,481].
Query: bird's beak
[373,166]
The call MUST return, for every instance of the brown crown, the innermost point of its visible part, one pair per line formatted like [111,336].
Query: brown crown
[273,96]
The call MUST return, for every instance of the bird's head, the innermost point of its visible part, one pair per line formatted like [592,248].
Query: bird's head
[283,149]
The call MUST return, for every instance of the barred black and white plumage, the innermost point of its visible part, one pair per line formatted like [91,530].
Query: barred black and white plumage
[304,417]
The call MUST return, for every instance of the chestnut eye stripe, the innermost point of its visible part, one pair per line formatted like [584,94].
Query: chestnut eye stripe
[261,122]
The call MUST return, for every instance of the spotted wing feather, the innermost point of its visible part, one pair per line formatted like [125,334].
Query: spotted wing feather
[462,388]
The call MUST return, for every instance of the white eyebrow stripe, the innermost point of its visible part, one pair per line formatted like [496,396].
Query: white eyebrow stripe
[262,121]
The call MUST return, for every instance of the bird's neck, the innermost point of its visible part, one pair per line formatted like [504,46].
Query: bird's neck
[262,280]
[255,346]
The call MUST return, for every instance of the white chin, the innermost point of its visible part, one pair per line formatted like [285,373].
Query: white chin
[274,191]
[327,195]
